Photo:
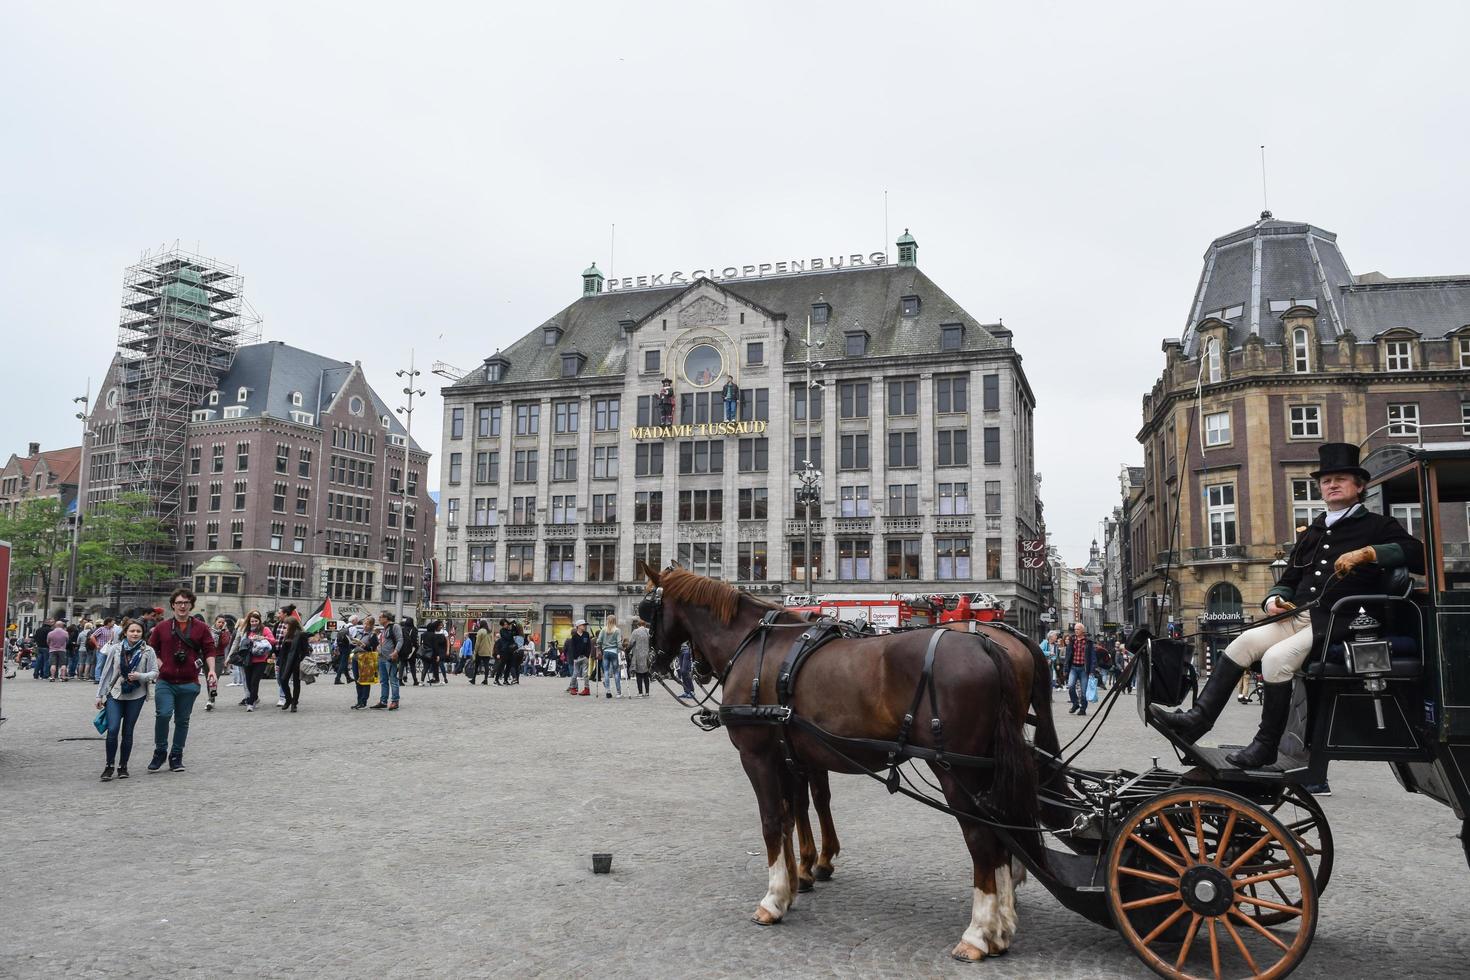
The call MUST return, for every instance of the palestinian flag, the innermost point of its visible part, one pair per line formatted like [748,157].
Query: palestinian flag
[318,620]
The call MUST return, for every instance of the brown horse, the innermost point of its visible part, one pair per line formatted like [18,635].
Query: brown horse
[862,688]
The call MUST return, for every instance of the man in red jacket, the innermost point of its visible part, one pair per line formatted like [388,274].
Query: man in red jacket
[183,644]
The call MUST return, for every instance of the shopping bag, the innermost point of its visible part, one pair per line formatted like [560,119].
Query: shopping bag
[1091,690]
[100,722]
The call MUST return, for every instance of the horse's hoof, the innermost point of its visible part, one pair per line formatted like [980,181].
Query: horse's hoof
[805,884]
[763,917]
[966,953]
[823,874]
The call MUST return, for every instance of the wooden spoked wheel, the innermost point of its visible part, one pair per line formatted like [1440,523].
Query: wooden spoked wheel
[1183,876]
[1301,814]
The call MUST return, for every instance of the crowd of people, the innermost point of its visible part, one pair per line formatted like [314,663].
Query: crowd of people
[1076,658]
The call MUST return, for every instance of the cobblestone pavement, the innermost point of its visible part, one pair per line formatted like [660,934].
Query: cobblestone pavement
[452,838]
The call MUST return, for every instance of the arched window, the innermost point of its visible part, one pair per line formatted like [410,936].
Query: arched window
[1301,352]
[296,399]
[242,394]
[214,398]
[1223,598]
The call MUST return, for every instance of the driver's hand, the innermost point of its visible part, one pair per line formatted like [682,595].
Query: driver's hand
[1346,563]
[1275,606]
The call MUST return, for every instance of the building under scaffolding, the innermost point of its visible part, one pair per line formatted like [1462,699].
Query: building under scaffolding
[182,320]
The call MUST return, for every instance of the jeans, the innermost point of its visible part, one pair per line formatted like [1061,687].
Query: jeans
[1077,686]
[87,661]
[175,702]
[387,680]
[686,677]
[73,659]
[121,715]
[237,675]
[40,666]
[344,665]
[610,671]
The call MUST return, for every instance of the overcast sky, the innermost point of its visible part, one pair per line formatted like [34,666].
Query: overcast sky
[435,176]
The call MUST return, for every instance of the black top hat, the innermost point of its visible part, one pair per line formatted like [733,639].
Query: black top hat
[1338,457]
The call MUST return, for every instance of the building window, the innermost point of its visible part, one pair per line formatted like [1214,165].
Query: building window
[853,452]
[211,535]
[528,419]
[820,312]
[217,458]
[215,492]
[701,505]
[1306,421]
[1306,502]
[801,459]
[283,457]
[1465,352]
[1217,429]
[525,466]
[237,535]
[803,509]
[523,510]
[990,392]
[852,400]
[1409,515]
[951,337]
[992,445]
[241,486]
[196,453]
[1220,507]
[703,559]
[992,558]
[605,413]
[651,360]
[242,394]
[214,398]
[648,507]
[482,563]
[903,558]
[1301,351]
[952,558]
[954,498]
[605,463]
[702,456]
[191,498]
[701,406]
[563,464]
[903,397]
[750,561]
[755,405]
[903,500]
[604,508]
[298,539]
[755,353]
[797,550]
[487,467]
[303,499]
[602,562]
[853,502]
[563,509]
[754,455]
[1398,355]
[1465,418]
[650,553]
[1403,419]
[571,366]
[520,562]
[564,416]
[952,394]
[992,498]
[908,306]
[487,421]
[189,537]
[278,533]
[456,465]
[803,400]
[753,503]
[857,343]
[855,559]
[954,447]
[903,449]
[456,423]
[1212,359]
[648,459]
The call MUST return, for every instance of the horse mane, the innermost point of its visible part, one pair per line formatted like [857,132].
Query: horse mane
[718,597]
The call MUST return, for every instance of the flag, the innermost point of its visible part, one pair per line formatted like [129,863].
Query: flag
[318,620]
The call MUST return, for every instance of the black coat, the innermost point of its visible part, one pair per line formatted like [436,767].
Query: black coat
[1309,568]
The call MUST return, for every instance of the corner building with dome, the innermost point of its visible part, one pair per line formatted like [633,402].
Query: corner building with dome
[670,423]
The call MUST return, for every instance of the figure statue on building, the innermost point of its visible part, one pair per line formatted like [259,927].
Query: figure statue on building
[731,395]
[666,402]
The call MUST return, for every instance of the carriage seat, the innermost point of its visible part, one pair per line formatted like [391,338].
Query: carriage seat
[1406,659]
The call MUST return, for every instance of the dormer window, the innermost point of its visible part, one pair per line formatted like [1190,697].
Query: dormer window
[857,343]
[203,415]
[1301,351]
[550,336]
[951,336]
[908,306]
[242,394]
[495,368]
[627,325]
[214,398]
[1212,359]
[1398,356]
[821,312]
[383,421]
[571,364]
[234,411]
[296,399]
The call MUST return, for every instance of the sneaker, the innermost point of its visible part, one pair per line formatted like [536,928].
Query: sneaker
[249,707]
[586,692]
[107,774]
[176,763]
[209,706]
[280,702]
[357,707]
[156,763]
[379,705]
[244,702]
[122,772]
[392,705]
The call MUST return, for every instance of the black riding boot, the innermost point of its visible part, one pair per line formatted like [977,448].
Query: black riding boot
[1262,750]
[1190,725]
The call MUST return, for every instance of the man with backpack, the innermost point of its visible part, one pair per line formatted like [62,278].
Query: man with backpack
[343,647]
[389,660]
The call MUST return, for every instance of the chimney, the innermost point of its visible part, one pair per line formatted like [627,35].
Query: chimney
[34,449]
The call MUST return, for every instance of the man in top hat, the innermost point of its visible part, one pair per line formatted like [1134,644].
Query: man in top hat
[1341,553]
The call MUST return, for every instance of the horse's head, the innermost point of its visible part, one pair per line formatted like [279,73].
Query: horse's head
[664,633]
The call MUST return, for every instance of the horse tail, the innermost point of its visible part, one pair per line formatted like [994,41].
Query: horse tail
[1014,785]
[1047,744]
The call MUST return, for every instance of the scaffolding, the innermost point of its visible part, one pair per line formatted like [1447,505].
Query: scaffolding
[182,319]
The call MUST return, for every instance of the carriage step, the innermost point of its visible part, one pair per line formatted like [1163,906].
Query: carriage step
[1286,768]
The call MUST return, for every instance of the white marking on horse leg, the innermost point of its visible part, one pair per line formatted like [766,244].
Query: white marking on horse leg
[1018,873]
[778,888]
[1005,888]
[981,932]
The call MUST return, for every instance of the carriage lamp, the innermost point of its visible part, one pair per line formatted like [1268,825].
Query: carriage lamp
[1278,567]
[1369,657]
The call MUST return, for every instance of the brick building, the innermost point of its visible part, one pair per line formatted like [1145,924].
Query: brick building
[1292,350]
[54,474]
[559,468]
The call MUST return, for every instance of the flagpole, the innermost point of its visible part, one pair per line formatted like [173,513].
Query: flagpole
[407,411]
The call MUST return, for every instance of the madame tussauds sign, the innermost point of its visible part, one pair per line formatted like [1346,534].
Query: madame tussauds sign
[759,271]
[692,429]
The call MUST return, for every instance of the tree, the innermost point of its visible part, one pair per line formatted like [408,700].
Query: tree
[114,542]
[38,536]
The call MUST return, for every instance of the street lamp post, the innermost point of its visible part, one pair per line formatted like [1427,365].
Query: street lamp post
[76,521]
[810,492]
[407,413]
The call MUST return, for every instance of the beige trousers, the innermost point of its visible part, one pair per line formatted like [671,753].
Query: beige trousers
[1281,647]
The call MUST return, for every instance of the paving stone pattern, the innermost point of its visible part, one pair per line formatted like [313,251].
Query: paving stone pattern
[453,838]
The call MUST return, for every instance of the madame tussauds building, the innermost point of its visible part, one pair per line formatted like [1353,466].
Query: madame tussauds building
[670,418]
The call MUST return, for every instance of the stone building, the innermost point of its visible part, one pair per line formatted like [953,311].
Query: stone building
[1291,350]
[54,474]
[601,438]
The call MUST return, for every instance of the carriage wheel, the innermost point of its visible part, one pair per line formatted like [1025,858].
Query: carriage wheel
[1301,814]
[1180,875]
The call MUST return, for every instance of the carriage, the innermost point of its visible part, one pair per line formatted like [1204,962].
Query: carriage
[1205,870]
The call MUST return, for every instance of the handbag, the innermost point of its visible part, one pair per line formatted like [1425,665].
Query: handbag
[100,722]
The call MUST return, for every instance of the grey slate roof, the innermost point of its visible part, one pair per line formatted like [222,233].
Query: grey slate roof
[1285,260]
[273,370]
[867,298]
